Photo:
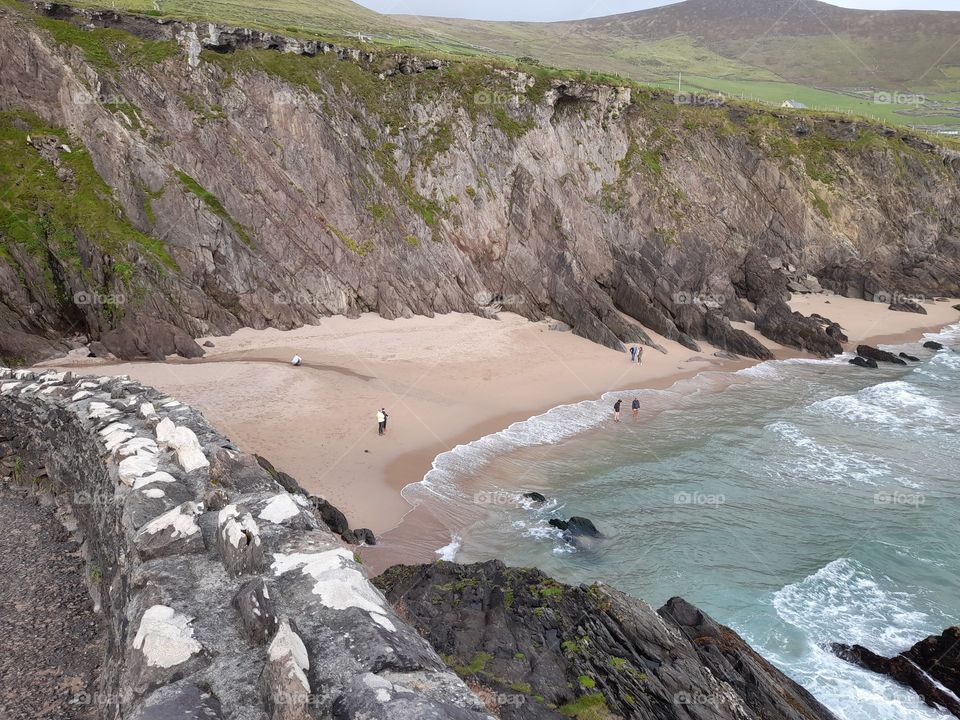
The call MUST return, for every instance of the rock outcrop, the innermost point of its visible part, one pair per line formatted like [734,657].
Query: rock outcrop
[931,667]
[223,594]
[264,180]
[535,648]
[877,355]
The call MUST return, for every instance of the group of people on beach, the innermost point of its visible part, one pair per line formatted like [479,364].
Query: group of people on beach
[382,415]
[636,356]
[634,406]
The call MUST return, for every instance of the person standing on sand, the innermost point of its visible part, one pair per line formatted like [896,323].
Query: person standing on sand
[381,422]
[616,410]
[385,416]
[633,353]
[635,405]
[640,355]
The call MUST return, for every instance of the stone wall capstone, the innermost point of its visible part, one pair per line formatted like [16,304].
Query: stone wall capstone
[224,594]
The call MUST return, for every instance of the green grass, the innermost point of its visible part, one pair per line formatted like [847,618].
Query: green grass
[587,707]
[215,206]
[43,213]
[776,92]
[108,48]
[476,665]
[723,53]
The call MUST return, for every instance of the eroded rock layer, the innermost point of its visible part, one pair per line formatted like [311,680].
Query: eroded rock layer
[536,648]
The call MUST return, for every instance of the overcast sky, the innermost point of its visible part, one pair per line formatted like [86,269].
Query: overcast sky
[546,10]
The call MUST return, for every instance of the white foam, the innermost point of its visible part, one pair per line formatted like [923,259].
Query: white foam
[811,460]
[897,405]
[845,602]
[449,552]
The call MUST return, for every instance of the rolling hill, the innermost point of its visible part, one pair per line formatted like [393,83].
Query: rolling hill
[897,66]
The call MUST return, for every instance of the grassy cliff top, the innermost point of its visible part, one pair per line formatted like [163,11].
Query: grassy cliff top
[895,67]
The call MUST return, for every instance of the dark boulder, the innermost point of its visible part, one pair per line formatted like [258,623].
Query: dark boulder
[721,333]
[872,353]
[97,350]
[331,516]
[145,336]
[576,526]
[911,358]
[547,650]
[777,322]
[582,526]
[359,536]
[925,667]
[933,345]
[535,496]
[908,305]
[864,362]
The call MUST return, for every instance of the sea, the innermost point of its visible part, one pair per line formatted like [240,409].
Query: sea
[801,502]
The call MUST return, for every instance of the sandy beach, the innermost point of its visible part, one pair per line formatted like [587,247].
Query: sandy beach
[444,381]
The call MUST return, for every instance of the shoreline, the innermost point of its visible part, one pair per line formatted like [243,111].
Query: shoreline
[404,543]
[446,381]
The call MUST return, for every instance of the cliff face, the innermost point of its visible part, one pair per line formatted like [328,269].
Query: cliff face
[286,180]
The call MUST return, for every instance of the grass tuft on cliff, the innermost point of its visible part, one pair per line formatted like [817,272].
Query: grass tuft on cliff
[42,211]
[108,48]
[215,206]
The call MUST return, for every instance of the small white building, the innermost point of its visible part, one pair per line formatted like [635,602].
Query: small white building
[794,105]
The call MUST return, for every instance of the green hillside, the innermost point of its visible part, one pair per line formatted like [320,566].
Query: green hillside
[898,67]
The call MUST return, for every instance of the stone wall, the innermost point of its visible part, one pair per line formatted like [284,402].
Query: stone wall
[225,595]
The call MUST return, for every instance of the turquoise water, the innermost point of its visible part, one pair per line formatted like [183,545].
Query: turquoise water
[800,502]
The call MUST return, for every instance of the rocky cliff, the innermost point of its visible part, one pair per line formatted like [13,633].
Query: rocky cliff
[542,650]
[164,180]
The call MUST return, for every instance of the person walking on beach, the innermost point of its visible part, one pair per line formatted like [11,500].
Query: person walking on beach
[616,411]
[385,416]
[640,355]
[633,353]
[635,405]
[381,422]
